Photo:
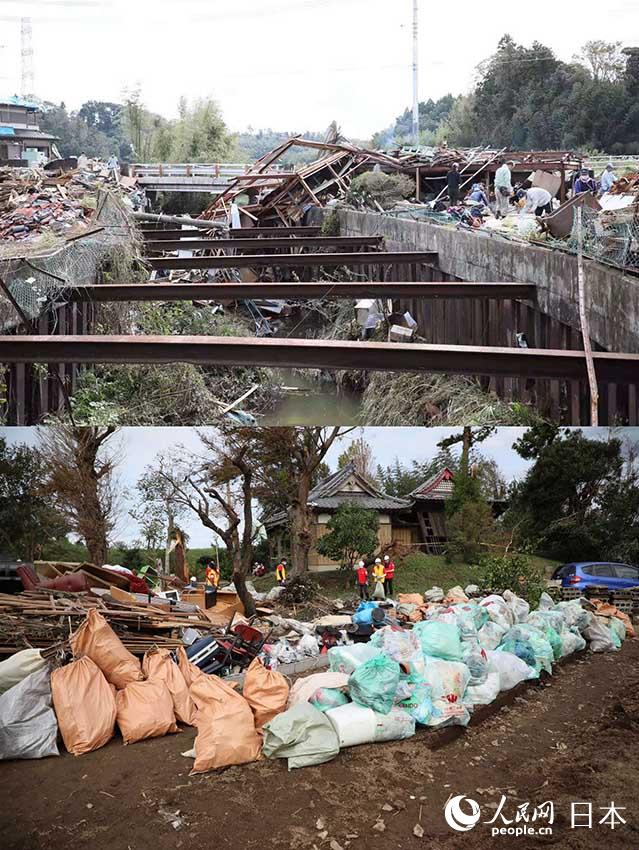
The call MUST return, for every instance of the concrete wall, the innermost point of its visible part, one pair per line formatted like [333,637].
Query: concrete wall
[612,296]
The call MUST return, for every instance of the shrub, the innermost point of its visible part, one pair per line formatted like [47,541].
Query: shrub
[513,572]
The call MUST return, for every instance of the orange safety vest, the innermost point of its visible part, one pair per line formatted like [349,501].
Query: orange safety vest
[280,572]
[212,577]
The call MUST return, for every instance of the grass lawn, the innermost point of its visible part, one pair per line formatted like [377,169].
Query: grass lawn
[414,574]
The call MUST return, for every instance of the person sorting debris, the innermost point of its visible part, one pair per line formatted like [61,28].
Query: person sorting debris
[536,200]
[608,178]
[453,180]
[389,575]
[584,183]
[362,580]
[477,195]
[503,188]
[280,572]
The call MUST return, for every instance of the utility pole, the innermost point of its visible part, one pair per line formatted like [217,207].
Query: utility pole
[26,38]
[415,73]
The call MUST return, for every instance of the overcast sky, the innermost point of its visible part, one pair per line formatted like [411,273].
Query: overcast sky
[140,447]
[286,64]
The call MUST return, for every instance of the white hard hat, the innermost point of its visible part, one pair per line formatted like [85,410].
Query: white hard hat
[387,557]
[193,578]
[378,560]
[361,564]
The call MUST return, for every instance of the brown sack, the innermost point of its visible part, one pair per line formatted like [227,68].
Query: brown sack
[190,671]
[410,599]
[266,691]
[84,705]
[157,665]
[96,638]
[605,609]
[225,727]
[145,710]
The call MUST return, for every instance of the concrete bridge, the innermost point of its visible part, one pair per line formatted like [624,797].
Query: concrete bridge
[211,177]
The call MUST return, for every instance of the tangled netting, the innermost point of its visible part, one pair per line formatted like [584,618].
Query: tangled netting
[611,236]
[36,279]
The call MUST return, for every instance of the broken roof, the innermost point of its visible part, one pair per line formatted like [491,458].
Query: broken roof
[438,486]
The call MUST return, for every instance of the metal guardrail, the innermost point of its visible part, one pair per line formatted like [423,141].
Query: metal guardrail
[189,169]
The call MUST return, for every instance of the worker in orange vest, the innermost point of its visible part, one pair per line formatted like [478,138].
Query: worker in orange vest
[211,582]
[389,575]
[362,580]
[280,572]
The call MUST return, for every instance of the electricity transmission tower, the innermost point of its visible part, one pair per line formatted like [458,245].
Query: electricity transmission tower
[415,73]
[27,84]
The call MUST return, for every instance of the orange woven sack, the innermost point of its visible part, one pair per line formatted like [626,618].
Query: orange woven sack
[96,639]
[225,727]
[190,671]
[266,691]
[145,710]
[84,705]
[157,665]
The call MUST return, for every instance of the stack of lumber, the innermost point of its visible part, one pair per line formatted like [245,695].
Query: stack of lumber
[45,618]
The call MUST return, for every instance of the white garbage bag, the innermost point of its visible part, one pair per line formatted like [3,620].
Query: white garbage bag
[490,635]
[571,642]
[519,607]
[512,670]
[394,726]
[485,693]
[18,666]
[28,725]
[345,659]
[309,645]
[448,681]
[599,636]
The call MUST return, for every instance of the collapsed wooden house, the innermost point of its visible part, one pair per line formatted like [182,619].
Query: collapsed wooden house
[269,194]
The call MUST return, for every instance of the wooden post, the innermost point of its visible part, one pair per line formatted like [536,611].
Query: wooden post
[417,183]
[585,326]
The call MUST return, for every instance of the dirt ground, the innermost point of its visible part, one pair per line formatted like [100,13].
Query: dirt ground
[571,738]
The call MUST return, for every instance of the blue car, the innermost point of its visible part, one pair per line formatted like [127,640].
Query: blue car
[581,574]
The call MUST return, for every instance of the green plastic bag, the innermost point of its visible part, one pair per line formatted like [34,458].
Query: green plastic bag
[618,630]
[439,640]
[303,735]
[374,684]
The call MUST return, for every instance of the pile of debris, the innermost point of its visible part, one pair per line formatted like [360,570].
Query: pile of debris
[46,618]
[459,656]
[61,201]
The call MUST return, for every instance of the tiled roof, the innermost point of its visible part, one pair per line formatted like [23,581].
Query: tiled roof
[438,486]
[332,492]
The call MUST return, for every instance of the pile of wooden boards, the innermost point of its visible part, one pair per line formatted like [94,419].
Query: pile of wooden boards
[46,618]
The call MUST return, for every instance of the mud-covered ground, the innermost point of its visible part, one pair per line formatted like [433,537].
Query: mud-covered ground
[572,738]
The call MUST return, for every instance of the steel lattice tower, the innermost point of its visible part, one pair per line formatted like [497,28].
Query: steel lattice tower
[27,83]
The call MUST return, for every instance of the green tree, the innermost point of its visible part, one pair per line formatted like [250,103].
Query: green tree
[579,500]
[28,519]
[469,520]
[352,533]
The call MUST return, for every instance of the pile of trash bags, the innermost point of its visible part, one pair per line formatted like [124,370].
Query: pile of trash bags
[461,654]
